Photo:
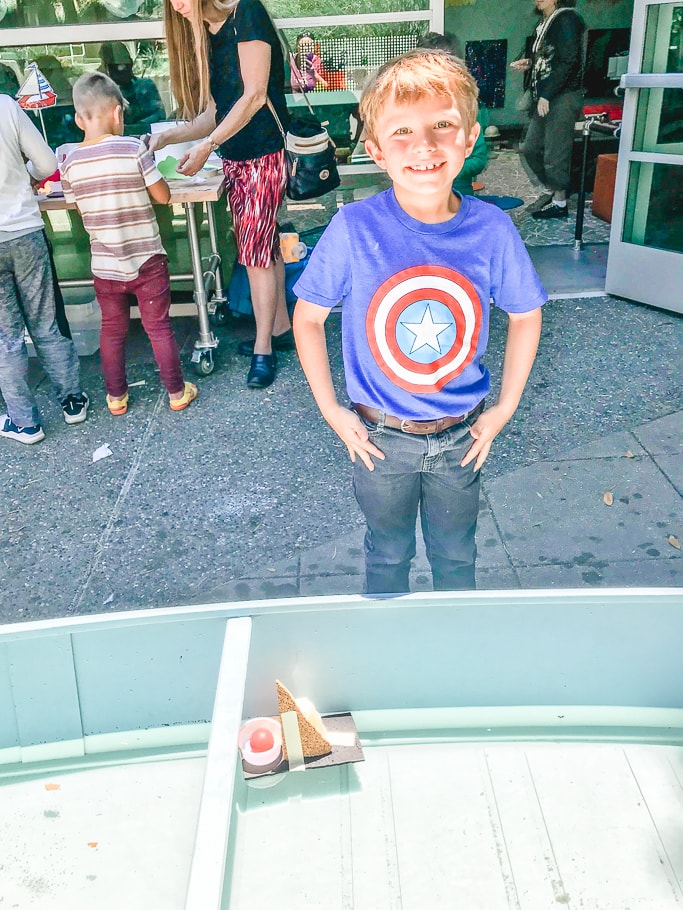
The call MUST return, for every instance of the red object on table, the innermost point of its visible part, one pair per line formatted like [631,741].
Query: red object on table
[53,178]
[613,111]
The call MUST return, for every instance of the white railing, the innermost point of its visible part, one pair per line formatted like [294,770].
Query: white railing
[131,31]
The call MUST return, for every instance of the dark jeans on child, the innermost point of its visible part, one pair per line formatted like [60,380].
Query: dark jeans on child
[549,141]
[418,473]
[152,290]
[27,300]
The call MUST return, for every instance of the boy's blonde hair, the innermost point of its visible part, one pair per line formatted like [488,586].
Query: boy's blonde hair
[96,92]
[421,73]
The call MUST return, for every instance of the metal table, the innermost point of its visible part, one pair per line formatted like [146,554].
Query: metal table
[206,279]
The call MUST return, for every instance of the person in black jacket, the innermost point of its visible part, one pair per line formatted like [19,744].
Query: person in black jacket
[555,68]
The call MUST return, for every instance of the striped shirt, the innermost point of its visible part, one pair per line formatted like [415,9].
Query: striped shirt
[108,181]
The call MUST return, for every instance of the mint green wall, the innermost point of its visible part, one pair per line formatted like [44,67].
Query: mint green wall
[514,20]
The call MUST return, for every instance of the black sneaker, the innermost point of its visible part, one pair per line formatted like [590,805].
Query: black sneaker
[283,342]
[75,408]
[539,203]
[552,211]
[27,435]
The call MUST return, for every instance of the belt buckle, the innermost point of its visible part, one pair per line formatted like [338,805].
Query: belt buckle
[402,427]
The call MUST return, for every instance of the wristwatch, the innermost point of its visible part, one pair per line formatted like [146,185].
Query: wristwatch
[213,145]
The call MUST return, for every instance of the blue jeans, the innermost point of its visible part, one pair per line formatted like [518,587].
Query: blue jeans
[418,473]
[27,299]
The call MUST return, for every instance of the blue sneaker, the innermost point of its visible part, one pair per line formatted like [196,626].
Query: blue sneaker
[75,408]
[27,435]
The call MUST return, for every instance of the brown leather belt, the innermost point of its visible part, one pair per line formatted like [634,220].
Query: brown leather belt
[416,427]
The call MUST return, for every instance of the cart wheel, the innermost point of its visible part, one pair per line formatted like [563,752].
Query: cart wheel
[220,315]
[204,366]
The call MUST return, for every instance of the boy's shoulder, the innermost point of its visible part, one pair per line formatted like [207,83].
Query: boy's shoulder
[473,213]
[369,203]
[485,211]
[378,205]
[108,147]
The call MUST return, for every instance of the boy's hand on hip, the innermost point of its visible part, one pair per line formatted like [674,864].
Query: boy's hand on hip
[484,430]
[349,428]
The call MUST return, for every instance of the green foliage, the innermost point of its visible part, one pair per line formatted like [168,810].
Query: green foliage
[285,9]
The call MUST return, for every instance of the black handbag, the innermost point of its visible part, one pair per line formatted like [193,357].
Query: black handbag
[309,153]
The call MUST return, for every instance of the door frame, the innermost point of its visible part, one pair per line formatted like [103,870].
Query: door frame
[636,272]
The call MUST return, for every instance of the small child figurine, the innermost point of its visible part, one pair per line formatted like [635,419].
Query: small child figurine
[306,65]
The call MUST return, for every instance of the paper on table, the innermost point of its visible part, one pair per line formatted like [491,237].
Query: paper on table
[168,168]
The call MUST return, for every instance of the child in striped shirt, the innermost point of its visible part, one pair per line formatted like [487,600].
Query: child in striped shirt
[111,178]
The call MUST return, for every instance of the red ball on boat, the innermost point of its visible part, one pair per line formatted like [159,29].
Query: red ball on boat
[261,740]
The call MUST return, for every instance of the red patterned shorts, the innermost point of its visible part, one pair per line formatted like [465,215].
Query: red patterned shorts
[256,189]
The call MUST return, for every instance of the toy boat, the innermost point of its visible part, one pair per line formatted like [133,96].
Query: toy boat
[522,749]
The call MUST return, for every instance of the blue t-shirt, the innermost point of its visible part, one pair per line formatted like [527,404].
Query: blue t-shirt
[416,301]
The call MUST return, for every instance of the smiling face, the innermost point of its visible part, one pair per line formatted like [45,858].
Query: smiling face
[422,145]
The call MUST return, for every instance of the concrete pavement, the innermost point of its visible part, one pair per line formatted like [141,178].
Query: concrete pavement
[248,495]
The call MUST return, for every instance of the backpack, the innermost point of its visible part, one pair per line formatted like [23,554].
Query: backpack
[239,295]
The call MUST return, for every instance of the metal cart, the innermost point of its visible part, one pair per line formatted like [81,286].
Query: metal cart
[208,292]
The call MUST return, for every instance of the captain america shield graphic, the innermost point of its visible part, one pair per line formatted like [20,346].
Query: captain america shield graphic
[423,326]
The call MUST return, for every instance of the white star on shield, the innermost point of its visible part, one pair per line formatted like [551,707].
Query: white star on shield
[426,332]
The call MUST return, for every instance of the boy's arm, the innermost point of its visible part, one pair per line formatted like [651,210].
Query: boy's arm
[311,346]
[160,192]
[524,331]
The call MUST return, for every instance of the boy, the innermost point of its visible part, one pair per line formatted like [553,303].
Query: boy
[111,178]
[416,268]
[27,299]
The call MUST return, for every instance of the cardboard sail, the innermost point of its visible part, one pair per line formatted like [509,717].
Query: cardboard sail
[313,742]
[35,92]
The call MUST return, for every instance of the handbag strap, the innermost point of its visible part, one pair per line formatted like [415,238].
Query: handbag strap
[544,25]
[296,73]
[277,119]
[285,43]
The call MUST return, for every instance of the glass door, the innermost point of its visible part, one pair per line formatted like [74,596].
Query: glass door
[645,260]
